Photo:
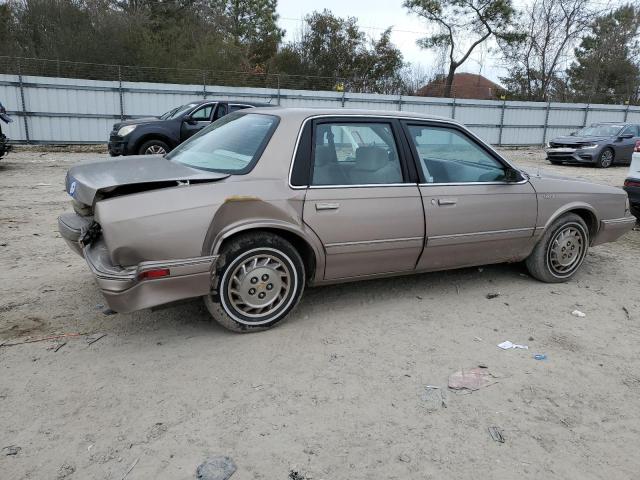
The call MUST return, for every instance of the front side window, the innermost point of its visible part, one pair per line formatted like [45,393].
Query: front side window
[230,145]
[177,112]
[630,130]
[203,114]
[355,154]
[448,156]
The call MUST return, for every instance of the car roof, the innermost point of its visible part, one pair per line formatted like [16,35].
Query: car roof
[307,112]
[233,102]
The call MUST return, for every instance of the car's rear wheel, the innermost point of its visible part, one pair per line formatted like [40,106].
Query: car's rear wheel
[153,147]
[605,159]
[261,278]
[561,250]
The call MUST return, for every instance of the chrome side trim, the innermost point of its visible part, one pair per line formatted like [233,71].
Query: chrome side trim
[616,221]
[362,185]
[476,234]
[396,117]
[461,184]
[372,242]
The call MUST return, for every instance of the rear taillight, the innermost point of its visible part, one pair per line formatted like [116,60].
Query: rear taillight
[637,147]
[631,183]
[152,274]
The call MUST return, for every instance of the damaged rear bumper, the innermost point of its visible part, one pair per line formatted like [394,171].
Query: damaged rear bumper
[127,289]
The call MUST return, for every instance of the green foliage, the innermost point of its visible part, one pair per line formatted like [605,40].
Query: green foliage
[605,70]
[332,47]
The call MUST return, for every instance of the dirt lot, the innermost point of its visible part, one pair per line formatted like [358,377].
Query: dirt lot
[336,392]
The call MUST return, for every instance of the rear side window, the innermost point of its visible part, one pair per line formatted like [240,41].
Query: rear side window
[231,144]
[448,156]
[355,154]
[235,108]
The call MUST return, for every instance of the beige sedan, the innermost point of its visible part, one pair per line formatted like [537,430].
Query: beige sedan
[265,202]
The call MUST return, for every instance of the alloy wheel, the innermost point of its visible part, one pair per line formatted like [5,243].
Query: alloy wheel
[155,150]
[606,158]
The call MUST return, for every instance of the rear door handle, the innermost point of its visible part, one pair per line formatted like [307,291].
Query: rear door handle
[447,201]
[327,206]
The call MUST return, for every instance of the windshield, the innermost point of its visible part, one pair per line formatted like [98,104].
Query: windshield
[231,144]
[603,130]
[176,112]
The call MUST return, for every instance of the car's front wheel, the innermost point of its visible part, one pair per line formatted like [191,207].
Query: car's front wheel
[261,278]
[605,159]
[153,147]
[561,250]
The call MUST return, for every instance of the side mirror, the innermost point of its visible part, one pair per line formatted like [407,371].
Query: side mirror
[189,120]
[511,175]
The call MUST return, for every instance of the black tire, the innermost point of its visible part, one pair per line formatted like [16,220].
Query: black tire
[606,158]
[153,147]
[284,268]
[555,162]
[545,262]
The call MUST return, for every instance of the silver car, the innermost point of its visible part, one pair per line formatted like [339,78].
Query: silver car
[265,202]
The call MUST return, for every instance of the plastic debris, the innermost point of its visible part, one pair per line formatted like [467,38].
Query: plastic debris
[496,434]
[540,356]
[91,339]
[578,313]
[216,468]
[11,450]
[492,295]
[433,398]
[506,345]
[472,379]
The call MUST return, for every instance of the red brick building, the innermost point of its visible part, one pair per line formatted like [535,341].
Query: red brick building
[465,85]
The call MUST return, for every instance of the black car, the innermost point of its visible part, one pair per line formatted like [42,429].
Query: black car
[601,144]
[159,135]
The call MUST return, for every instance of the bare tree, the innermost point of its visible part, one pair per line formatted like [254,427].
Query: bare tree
[552,29]
[463,25]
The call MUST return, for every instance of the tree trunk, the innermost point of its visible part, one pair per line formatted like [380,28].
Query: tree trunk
[449,82]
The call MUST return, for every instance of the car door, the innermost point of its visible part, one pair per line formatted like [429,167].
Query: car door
[473,215]
[199,118]
[625,144]
[361,201]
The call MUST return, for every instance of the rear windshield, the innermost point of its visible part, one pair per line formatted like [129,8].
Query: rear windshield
[606,130]
[231,144]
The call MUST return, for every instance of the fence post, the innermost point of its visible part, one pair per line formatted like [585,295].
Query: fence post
[278,79]
[24,105]
[546,125]
[204,84]
[586,114]
[342,99]
[453,108]
[399,102]
[120,93]
[626,111]
[504,105]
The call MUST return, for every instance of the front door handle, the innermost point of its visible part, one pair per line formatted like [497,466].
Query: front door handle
[447,201]
[327,206]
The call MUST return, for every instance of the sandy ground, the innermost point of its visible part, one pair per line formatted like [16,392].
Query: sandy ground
[336,392]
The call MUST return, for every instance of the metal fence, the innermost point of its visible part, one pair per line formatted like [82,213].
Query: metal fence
[65,110]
